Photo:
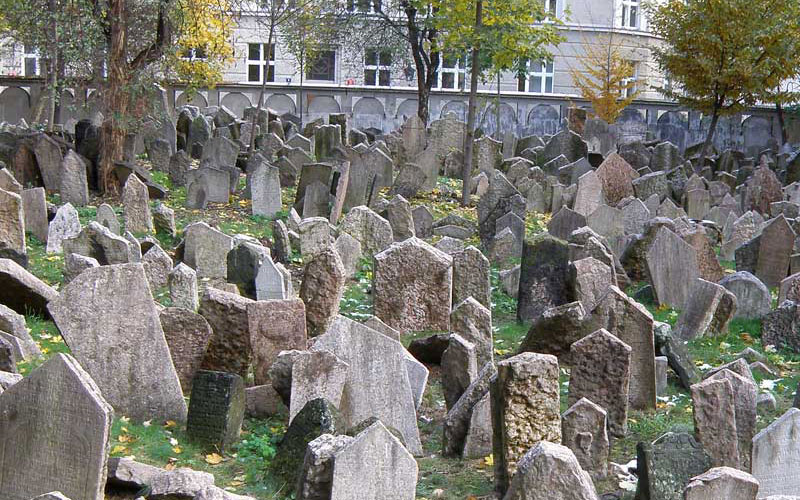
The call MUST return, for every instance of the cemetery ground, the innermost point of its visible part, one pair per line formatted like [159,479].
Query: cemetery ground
[244,468]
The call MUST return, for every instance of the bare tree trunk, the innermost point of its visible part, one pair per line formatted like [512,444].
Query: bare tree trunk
[712,128]
[268,55]
[469,138]
[116,97]
[51,115]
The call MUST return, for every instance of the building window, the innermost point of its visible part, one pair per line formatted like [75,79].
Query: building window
[30,60]
[629,84]
[539,79]
[451,73]
[377,68]
[323,67]
[550,8]
[365,6]
[630,13]
[257,65]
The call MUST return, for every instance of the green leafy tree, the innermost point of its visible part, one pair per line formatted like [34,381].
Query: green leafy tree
[721,55]
[500,36]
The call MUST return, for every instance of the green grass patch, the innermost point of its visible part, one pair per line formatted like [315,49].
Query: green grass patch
[47,267]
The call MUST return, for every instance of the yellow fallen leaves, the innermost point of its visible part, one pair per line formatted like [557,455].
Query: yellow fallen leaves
[214,459]
[170,423]
[118,449]
[489,461]
[177,450]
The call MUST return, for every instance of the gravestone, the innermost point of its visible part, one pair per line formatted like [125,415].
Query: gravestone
[423,221]
[564,222]
[322,288]
[315,236]
[206,250]
[136,206]
[400,218]
[543,276]
[752,296]
[74,187]
[589,195]
[275,326]
[216,409]
[229,350]
[157,266]
[616,176]
[58,400]
[666,466]
[459,368]
[583,430]
[270,281]
[22,291]
[549,471]
[471,276]
[48,157]
[12,227]
[108,218]
[715,421]
[601,373]
[774,251]
[590,280]
[631,323]
[706,304]
[66,224]
[187,334]
[182,281]
[349,250]
[370,229]
[776,452]
[265,190]
[722,482]
[374,465]
[409,181]
[745,394]
[34,206]
[412,286]
[377,381]
[316,375]
[672,265]
[525,410]
[110,309]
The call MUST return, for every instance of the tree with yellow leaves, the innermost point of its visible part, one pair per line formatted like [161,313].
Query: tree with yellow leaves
[605,78]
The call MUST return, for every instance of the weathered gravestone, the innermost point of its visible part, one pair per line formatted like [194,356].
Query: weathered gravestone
[370,229]
[774,251]
[54,431]
[206,250]
[216,408]
[74,187]
[34,205]
[187,334]
[182,281]
[275,326]
[374,466]
[616,176]
[12,228]
[412,286]
[265,190]
[583,430]
[471,276]
[753,299]
[667,465]
[109,309]
[776,453]
[229,349]
[315,375]
[707,312]
[136,206]
[589,195]
[722,482]
[549,471]
[377,381]
[715,421]
[601,374]
[22,291]
[631,323]
[322,289]
[745,394]
[525,410]
[543,276]
[108,218]
[672,265]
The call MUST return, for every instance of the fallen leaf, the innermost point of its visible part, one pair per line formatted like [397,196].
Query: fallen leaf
[177,449]
[118,449]
[213,458]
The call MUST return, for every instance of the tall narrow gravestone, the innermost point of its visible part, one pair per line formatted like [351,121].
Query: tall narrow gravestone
[54,428]
[216,408]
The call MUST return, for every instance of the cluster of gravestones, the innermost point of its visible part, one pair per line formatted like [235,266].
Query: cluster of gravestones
[351,389]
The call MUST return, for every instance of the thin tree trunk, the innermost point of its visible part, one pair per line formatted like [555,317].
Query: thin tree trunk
[469,139]
[712,128]
[51,115]
[781,122]
[252,146]
[117,99]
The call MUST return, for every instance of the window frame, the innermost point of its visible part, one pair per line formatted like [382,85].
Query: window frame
[379,67]
[458,70]
[371,7]
[310,66]
[260,63]
[629,6]
[30,54]
[548,70]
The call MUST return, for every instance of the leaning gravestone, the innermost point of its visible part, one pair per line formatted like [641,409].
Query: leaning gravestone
[543,276]
[753,299]
[216,408]
[601,374]
[229,349]
[315,375]
[182,281]
[74,187]
[775,249]
[34,205]
[667,465]
[187,334]
[322,288]
[776,453]
[377,382]
[375,465]
[722,482]
[206,250]
[471,276]
[275,326]
[110,309]
[549,471]
[108,218]
[715,421]
[525,410]
[583,430]
[412,286]
[745,394]
[12,227]
[61,402]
